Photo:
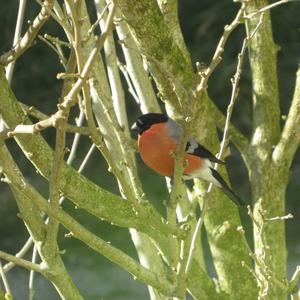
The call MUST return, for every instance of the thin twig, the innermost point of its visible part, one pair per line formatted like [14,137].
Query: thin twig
[55,47]
[131,89]
[56,41]
[280,218]
[296,296]
[21,262]
[235,84]
[84,162]
[62,21]
[34,112]
[32,273]
[20,19]
[268,7]
[36,128]
[75,142]
[7,267]
[70,98]
[100,17]
[26,41]
[4,279]
[60,17]
[204,75]
[294,281]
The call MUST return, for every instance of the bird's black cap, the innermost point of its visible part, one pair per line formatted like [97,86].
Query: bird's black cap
[144,122]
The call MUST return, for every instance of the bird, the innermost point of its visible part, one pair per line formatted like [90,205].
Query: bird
[158,139]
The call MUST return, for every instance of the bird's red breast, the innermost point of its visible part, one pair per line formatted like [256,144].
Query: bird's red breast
[157,149]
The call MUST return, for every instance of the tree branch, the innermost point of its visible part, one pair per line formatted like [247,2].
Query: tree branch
[6,284]
[169,9]
[17,182]
[161,51]
[236,137]
[19,254]
[21,262]
[284,151]
[26,41]
[54,179]
[293,284]
[18,31]
[77,188]
[143,88]
[267,180]
[266,8]
[32,217]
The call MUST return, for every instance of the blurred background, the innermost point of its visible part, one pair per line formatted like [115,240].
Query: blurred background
[35,83]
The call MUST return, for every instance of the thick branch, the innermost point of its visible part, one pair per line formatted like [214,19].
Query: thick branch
[138,80]
[54,269]
[169,9]
[17,182]
[285,150]
[263,59]
[267,181]
[155,41]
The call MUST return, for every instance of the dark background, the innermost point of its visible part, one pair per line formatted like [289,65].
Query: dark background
[35,83]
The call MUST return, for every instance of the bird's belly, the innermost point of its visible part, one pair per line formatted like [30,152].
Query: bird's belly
[159,154]
[193,165]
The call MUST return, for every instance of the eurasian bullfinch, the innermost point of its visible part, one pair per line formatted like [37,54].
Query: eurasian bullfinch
[159,137]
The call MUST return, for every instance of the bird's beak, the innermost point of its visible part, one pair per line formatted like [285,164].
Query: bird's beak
[134,127]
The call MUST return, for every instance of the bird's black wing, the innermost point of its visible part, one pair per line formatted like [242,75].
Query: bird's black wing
[192,147]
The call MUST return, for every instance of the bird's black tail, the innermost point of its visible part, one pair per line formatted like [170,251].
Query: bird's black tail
[227,190]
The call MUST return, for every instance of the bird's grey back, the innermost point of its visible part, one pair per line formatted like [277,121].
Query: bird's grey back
[175,130]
